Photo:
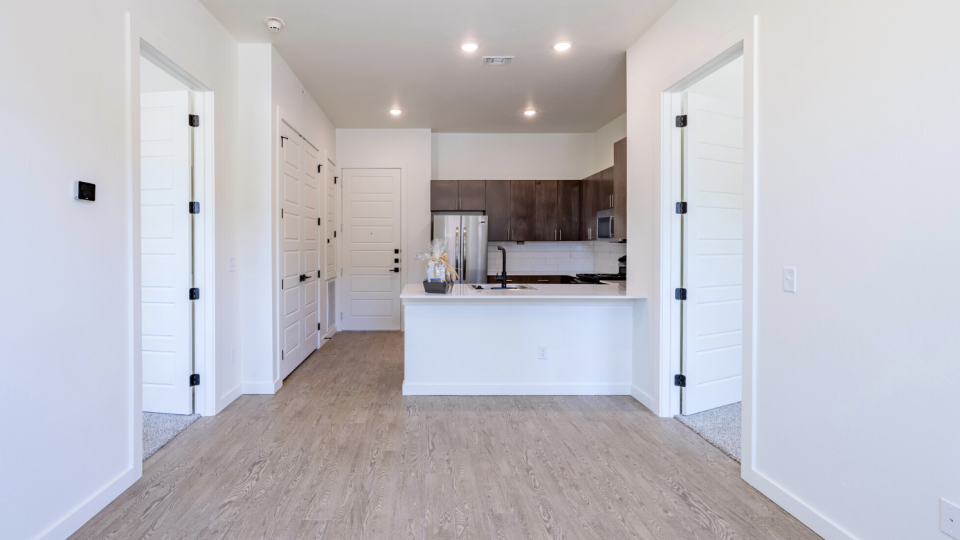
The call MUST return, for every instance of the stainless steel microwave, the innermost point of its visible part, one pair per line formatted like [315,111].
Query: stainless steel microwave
[605,224]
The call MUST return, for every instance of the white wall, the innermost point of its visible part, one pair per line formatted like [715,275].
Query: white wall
[856,402]
[512,156]
[603,141]
[406,149]
[269,92]
[67,337]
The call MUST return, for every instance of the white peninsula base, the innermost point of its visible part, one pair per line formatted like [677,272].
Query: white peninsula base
[473,343]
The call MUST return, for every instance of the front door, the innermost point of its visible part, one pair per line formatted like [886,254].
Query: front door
[712,253]
[166,252]
[372,258]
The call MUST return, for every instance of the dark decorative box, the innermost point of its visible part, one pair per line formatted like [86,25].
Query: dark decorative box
[438,287]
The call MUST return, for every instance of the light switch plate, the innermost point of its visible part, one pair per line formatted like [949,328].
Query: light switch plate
[790,279]
[950,518]
[542,353]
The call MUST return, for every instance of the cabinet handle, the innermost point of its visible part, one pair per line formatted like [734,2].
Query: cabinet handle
[561,235]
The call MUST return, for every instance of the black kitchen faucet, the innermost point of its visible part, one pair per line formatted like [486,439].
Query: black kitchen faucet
[503,276]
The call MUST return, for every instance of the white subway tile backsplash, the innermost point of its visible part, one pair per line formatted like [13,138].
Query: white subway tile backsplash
[557,257]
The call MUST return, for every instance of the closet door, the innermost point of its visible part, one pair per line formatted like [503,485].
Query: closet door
[292,263]
[311,246]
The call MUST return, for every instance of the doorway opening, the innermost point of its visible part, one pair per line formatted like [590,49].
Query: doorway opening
[708,246]
[175,134]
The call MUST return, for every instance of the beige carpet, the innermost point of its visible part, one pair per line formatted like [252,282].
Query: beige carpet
[159,429]
[720,427]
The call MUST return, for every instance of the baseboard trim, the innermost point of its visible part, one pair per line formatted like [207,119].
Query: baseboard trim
[84,512]
[596,389]
[799,509]
[268,388]
[228,398]
[644,398]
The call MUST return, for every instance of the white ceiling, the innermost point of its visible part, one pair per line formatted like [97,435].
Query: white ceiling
[360,58]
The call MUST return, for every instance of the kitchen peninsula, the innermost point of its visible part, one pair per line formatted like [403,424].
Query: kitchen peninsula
[543,339]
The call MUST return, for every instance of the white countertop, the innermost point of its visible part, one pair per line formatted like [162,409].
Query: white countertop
[415,292]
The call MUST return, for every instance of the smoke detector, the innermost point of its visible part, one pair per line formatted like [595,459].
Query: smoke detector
[274,24]
[497,60]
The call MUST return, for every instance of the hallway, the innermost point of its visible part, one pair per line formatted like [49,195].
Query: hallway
[339,453]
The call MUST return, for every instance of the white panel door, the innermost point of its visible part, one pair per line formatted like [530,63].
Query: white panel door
[166,252]
[713,253]
[311,245]
[330,219]
[371,236]
[292,263]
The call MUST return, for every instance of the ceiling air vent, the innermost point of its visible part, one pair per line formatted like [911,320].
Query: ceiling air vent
[497,60]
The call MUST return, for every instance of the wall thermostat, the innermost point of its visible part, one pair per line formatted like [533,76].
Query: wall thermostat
[84,191]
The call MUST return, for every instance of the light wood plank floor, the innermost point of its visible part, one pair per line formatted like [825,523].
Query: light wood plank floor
[339,453]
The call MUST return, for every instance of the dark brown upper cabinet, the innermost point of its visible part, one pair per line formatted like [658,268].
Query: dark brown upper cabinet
[589,206]
[606,189]
[523,210]
[444,196]
[546,194]
[454,195]
[620,188]
[498,210]
[568,210]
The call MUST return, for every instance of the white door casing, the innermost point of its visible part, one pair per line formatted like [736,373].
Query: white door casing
[371,238]
[166,252]
[713,253]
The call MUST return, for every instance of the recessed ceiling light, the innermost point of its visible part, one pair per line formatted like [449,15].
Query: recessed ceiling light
[529,112]
[470,46]
[274,24]
[562,45]
[395,112]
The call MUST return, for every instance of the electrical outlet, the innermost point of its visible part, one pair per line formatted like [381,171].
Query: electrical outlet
[542,354]
[950,518]
[233,355]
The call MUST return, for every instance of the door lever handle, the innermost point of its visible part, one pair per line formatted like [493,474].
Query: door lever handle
[303,277]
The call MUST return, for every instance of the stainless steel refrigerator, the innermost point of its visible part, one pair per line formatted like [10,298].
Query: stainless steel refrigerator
[466,236]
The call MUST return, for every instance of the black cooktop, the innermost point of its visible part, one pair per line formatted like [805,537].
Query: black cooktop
[597,278]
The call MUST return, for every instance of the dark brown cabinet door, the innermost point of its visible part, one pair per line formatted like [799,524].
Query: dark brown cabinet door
[498,210]
[523,210]
[472,195]
[546,194]
[589,205]
[444,195]
[568,210]
[606,189]
[620,188]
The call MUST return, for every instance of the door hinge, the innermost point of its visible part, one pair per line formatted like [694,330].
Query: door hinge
[194,207]
[195,379]
[194,293]
[334,234]
[319,222]
[319,166]
[281,355]
[335,179]
[682,120]
[281,213]
[318,327]
[194,120]
[341,315]
[282,138]
[680,294]
[681,208]
[680,380]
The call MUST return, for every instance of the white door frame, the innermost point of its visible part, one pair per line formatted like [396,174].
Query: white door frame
[742,41]
[330,165]
[144,42]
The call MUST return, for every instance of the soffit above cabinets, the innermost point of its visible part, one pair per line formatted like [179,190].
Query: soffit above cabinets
[361,59]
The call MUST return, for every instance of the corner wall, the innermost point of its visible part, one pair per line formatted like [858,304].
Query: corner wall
[840,364]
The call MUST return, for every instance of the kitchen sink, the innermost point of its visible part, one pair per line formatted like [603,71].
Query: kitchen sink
[499,287]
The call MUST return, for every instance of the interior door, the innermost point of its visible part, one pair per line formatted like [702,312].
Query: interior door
[713,253]
[330,222]
[166,252]
[371,219]
[292,264]
[311,247]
